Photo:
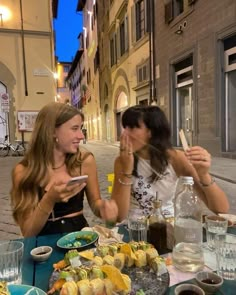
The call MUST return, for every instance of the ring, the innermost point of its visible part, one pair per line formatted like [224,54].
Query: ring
[130,153]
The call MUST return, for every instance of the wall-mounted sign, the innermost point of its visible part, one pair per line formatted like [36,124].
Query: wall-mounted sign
[26,120]
[5,102]
[41,72]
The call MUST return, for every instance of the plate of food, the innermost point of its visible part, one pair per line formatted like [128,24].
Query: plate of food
[78,239]
[124,268]
[25,290]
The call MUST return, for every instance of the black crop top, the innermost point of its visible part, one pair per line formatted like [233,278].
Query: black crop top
[74,204]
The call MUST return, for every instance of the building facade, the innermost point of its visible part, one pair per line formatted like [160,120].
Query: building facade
[27,63]
[89,64]
[63,91]
[124,61]
[195,53]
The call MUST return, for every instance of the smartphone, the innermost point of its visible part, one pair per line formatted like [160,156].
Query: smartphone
[183,140]
[77,179]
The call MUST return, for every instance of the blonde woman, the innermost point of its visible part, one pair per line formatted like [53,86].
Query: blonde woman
[42,201]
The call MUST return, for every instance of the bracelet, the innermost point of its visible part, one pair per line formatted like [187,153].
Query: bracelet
[44,211]
[124,183]
[128,175]
[209,184]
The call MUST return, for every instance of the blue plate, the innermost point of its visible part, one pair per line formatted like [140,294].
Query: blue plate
[25,289]
[85,238]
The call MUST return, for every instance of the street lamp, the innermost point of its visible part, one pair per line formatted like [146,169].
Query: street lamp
[5,14]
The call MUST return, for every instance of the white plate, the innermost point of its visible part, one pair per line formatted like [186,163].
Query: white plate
[230,217]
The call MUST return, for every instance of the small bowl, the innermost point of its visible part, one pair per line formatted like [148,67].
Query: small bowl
[210,282]
[41,253]
[189,289]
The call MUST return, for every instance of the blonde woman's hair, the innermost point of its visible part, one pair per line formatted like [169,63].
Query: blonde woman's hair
[39,156]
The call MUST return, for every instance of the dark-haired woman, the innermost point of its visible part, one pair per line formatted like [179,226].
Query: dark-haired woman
[42,201]
[148,164]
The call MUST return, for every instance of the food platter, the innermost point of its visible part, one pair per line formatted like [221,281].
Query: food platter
[142,279]
[77,240]
[25,290]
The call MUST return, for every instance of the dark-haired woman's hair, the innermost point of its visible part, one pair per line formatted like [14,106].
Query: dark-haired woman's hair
[155,120]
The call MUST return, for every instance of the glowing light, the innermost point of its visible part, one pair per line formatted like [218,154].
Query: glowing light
[55,75]
[5,14]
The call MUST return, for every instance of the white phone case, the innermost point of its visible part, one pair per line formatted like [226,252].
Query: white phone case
[77,179]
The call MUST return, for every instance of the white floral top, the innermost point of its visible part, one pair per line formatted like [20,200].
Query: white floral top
[144,192]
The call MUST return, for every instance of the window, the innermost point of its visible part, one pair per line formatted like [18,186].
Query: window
[122,38]
[230,93]
[66,69]
[173,8]
[96,61]
[140,19]
[142,73]
[113,55]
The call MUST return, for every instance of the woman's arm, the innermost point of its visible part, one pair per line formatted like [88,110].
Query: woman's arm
[32,218]
[106,209]
[123,168]
[34,214]
[121,191]
[196,162]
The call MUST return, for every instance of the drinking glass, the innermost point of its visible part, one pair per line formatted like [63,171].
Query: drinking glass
[226,256]
[137,225]
[214,225]
[11,256]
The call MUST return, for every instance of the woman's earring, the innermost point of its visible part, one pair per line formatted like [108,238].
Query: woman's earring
[56,139]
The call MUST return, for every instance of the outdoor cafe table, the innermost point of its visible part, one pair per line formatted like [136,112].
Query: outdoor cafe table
[38,274]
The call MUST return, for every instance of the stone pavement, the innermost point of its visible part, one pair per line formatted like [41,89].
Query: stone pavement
[223,169]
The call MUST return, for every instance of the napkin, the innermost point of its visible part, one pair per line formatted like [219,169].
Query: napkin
[106,235]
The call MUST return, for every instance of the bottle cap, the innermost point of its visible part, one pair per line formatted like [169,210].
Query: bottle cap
[157,203]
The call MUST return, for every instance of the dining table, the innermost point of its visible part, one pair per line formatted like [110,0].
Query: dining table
[39,273]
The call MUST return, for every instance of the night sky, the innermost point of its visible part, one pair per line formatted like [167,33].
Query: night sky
[68,25]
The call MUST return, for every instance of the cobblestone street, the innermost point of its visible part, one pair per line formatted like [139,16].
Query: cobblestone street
[223,169]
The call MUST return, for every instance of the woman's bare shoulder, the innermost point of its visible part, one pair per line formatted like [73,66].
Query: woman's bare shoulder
[18,172]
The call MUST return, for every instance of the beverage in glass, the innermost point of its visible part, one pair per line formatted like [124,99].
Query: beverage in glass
[137,225]
[226,255]
[214,225]
[188,257]
[11,257]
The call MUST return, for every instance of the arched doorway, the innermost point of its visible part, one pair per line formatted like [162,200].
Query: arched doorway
[121,104]
[107,123]
[4,128]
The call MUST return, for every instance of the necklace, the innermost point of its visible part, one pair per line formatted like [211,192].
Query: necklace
[55,168]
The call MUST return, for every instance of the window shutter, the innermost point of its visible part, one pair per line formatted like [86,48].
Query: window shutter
[115,48]
[169,12]
[147,15]
[118,42]
[133,23]
[126,33]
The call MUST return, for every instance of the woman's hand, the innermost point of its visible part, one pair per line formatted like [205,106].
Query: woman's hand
[200,159]
[109,210]
[61,192]
[126,154]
